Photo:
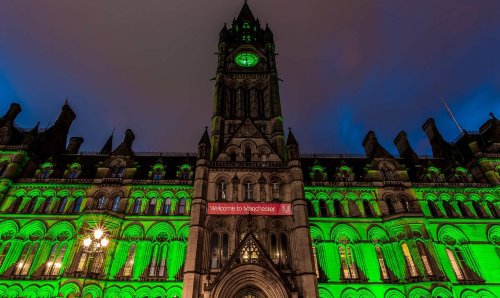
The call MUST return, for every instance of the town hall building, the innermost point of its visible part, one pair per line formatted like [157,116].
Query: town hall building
[248,215]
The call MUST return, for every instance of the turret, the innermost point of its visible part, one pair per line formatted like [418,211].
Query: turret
[108,146]
[440,147]
[372,147]
[9,134]
[292,146]
[10,116]
[404,148]
[204,146]
[55,137]
[74,145]
[125,148]
[490,133]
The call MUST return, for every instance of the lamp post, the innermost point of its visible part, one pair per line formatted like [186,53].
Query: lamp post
[95,243]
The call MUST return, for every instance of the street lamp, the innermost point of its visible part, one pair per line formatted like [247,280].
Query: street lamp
[95,243]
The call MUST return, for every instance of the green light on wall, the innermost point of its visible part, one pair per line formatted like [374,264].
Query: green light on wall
[246,59]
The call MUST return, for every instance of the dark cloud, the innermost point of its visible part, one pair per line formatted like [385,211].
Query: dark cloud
[347,67]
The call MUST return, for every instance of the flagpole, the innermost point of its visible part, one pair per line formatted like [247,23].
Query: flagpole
[462,131]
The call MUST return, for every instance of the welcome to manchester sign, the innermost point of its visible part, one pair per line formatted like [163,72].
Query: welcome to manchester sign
[270,209]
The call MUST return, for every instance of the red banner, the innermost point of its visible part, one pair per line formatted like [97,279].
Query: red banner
[219,208]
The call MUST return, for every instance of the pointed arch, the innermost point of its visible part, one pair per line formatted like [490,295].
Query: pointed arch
[62,228]
[35,228]
[161,229]
[346,230]
[134,230]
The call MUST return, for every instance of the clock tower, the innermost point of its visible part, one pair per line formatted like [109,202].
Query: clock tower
[249,232]
[246,83]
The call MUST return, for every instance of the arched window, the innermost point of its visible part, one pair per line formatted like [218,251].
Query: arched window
[117,171]
[368,208]
[221,191]
[433,209]
[78,205]
[74,171]
[323,209]
[460,268]
[248,186]
[15,207]
[426,259]
[4,249]
[97,264]
[462,208]
[214,250]
[3,167]
[279,250]
[450,211]
[478,209]
[248,154]
[390,205]
[157,266]
[26,259]
[47,205]
[81,262]
[31,205]
[348,265]
[283,250]
[384,272]
[315,257]
[116,204]
[137,206]
[232,156]
[337,206]
[410,264]
[181,208]
[310,208]
[404,205]
[129,264]
[62,205]
[152,206]
[345,174]
[157,172]
[45,170]
[101,202]
[54,262]
[353,208]
[184,172]
[388,174]
[219,249]
[493,209]
[166,206]
[276,190]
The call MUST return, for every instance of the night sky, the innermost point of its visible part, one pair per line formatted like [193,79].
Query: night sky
[347,67]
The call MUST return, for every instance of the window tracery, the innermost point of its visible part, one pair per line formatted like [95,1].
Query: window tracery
[74,171]
[25,261]
[129,264]
[46,170]
[54,262]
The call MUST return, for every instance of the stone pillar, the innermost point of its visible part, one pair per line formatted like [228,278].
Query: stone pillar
[193,266]
[306,279]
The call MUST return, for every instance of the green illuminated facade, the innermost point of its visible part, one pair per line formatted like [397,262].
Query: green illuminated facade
[366,226]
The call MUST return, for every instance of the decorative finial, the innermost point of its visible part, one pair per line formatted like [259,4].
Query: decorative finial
[492,116]
[206,128]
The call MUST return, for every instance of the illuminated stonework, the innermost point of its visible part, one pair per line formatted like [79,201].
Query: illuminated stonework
[361,226]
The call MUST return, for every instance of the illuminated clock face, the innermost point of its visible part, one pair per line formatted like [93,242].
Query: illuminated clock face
[246,59]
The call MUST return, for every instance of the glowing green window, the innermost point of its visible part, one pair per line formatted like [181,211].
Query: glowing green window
[246,38]
[246,59]
[246,25]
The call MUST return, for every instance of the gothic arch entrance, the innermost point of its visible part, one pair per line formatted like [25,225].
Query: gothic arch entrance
[251,293]
[250,281]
